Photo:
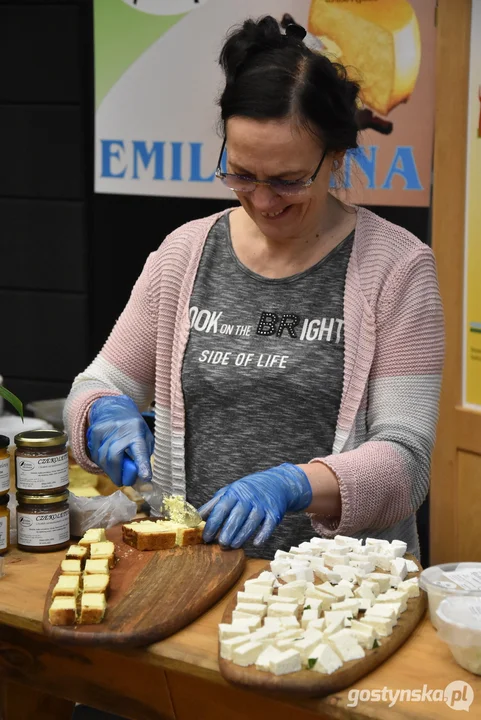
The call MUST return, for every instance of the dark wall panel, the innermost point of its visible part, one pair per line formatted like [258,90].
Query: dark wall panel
[40,54]
[47,340]
[43,245]
[31,390]
[41,150]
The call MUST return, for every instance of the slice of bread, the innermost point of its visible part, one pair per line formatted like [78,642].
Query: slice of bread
[92,608]
[93,535]
[96,583]
[71,567]
[148,535]
[66,585]
[103,550]
[189,535]
[63,611]
[77,552]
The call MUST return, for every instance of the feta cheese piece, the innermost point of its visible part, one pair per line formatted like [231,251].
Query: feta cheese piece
[383,626]
[306,644]
[263,634]
[394,596]
[329,589]
[266,578]
[288,635]
[367,589]
[364,603]
[383,580]
[335,616]
[411,566]
[352,606]
[365,634]
[300,563]
[348,586]
[274,624]
[231,630]
[282,609]
[410,586]
[349,542]
[287,577]
[289,622]
[282,555]
[346,645]
[394,581]
[323,659]
[385,610]
[376,541]
[282,599]
[308,616]
[319,624]
[398,567]
[259,609]
[280,567]
[346,572]
[399,548]
[228,645]
[295,550]
[247,654]
[247,597]
[312,603]
[252,621]
[317,563]
[334,626]
[296,589]
[365,565]
[325,599]
[268,655]
[323,543]
[382,562]
[332,558]
[306,547]
[287,662]
[306,574]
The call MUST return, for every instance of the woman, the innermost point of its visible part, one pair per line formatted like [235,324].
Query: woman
[293,346]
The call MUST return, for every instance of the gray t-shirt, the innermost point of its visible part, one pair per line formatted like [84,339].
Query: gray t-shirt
[262,373]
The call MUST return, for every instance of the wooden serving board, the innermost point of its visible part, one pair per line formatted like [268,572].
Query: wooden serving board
[308,683]
[153,594]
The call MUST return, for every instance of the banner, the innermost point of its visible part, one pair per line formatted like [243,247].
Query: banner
[472,286]
[157,81]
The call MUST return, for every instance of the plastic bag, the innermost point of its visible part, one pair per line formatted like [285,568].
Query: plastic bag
[99,512]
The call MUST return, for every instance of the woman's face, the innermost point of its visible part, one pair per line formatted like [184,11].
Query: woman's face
[270,149]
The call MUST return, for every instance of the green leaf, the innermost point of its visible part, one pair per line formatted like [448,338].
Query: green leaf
[375,644]
[307,607]
[311,662]
[12,399]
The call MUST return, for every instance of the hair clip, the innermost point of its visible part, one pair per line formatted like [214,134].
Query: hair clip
[296,31]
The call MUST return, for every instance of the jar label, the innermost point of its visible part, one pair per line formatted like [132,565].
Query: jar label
[42,473]
[43,529]
[3,533]
[4,474]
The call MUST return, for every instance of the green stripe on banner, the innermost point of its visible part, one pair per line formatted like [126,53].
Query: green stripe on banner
[475,330]
[121,35]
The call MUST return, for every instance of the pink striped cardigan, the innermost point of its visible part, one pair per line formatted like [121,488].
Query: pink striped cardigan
[394,344]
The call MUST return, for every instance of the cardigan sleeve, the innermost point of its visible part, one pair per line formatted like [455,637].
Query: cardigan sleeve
[124,366]
[386,478]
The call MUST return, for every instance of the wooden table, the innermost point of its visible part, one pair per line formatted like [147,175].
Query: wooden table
[178,678]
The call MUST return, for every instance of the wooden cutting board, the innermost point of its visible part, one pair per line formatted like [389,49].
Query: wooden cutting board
[153,594]
[309,683]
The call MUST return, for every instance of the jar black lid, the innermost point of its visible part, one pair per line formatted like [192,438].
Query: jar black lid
[4,441]
[4,499]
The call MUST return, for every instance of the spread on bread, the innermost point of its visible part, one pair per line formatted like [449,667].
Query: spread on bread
[321,604]
[79,597]
[161,534]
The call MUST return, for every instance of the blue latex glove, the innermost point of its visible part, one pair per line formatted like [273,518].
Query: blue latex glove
[117,432]
[260,499]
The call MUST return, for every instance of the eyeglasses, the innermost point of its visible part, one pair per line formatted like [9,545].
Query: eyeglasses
[241,183]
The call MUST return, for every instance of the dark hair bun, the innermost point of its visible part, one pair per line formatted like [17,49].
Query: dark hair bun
[244,43]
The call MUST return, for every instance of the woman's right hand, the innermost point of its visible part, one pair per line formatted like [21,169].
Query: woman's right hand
[116,432]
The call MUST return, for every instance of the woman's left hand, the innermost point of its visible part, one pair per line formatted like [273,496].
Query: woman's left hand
[257,500]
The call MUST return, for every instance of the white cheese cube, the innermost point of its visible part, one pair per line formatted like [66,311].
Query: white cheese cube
[295,550]
[365,565]
[247,654]
[306,644]
[317,563]
[333,558]
[273,623]
[358,557]
[280,567]
[231,630]
[383,580]
[346,645]
[376,541]
[227,646]
[399,548]
[323,543]
[288,635]
[300,564]
[268,655]
[335,616]
[394,596]
[306,547]
[308,616]
[346,572]
[282,599]
[334,626]
[259,609]
[411,566]
[335,590]
[383,626]
[330,576]
[364,603]
[382,562]
[247,597]
[398,567]
[252,621]
[364,591]
[313,604]
[325,599]
[287,662]
[319,624]
[349,542]
[287,577]
[306,574]
[394,581]
[352,606]
[282,555]
[323,659]
[412,588]
[365,634]
[282,609]
[385,610]
[296,588]
[263,634]
[266,578]
[348,587]
[289,622]
[258,589]
[285,644]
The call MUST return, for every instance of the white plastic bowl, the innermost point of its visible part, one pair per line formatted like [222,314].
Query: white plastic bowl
[459,625]
[438,585]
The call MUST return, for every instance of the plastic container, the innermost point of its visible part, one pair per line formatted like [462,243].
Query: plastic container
[438,583]
[459,625]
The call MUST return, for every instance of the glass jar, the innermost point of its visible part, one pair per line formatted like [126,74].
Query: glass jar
[41,462]
[43,523]
[4,465]
[4,524]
